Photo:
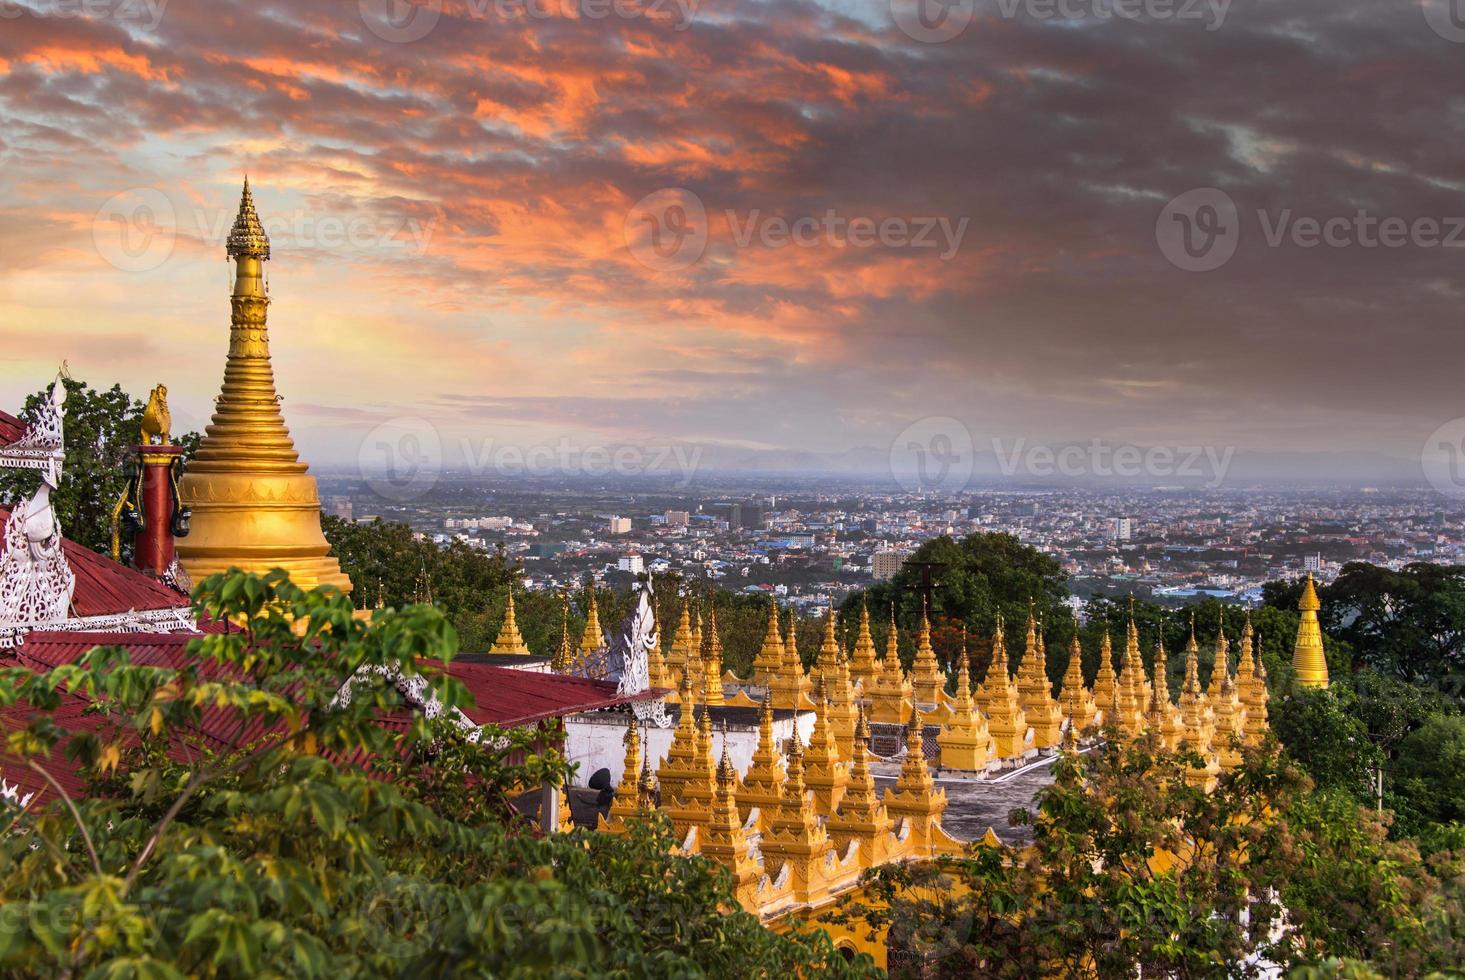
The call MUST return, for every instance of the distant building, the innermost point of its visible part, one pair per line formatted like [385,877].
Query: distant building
[678,518]
[546,549]
[339,507]
[1312,563]
[631,563]
[1122,528]
[884,564]
[620,525]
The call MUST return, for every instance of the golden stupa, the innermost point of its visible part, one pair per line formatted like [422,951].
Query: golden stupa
[254,504]
[1307,655]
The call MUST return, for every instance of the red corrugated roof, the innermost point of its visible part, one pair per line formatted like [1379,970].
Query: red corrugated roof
[503,696]
[11,428]
[105,587]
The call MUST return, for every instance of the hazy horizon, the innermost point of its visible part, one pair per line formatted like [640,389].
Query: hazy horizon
[790,234]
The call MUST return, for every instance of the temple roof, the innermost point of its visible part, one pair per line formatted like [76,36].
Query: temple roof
[108,588]
[11,428]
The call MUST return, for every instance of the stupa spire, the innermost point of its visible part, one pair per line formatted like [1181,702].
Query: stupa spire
[1308,662]
[254,504]
[509,639]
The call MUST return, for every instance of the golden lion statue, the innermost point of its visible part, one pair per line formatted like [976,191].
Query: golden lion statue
[156,422]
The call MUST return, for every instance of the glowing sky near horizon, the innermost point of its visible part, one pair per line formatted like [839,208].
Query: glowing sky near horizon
[456,235]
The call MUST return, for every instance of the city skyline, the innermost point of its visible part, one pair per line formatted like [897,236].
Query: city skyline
[512,246]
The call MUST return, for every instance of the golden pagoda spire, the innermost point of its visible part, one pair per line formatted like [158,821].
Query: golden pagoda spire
[837,688]
[770,656]
[915,798]
[928,683]
[825,773]
[791,686]
[254,504]
[564,653]
[1252,687]
[1308,663]
[509,640]
[1005,720]
[1220,666]
[861,816]
[1230,724]
[890,695]
[1199,723]
[625,804]
[965,741]
[681,652]
[1075,700]
[1129,702]
[647,787]
[678,765]
[711,659]
[1106,682]
[863,669]
[1036,691]
[1162,716]
[725,841]
[593,638]
[762,785]
[795,837]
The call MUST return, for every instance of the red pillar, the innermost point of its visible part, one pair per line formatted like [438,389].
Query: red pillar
[152,548]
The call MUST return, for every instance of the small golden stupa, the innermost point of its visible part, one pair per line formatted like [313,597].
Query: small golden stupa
[1307,655]
[254,504]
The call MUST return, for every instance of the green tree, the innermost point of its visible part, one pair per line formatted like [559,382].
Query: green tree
[242,819]
[1132,869]
[100,427]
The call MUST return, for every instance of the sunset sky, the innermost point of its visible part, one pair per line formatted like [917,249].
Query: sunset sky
[463,222]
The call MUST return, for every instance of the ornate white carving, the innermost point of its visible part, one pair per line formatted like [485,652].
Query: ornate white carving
[629,657]
[176,620]
[36,581]
[415,692]
[42,446]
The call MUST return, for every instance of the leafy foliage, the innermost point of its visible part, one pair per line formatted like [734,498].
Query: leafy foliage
[239,818]
[1133,869]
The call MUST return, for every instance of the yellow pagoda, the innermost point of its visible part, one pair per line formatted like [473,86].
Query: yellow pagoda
[255,505]
[1074,699]
[509,639]
[770,655]
[862,666]
[965,741]
[890,695]
[1036,692]
[928,682]
[1106,682]
[998,696]
[1308,663]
